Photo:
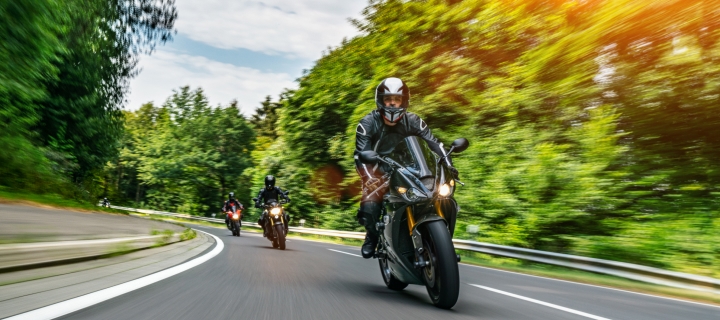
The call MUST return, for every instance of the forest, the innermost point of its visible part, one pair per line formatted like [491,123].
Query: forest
[594,126]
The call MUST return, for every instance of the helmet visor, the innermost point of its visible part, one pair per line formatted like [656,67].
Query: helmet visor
[392,100]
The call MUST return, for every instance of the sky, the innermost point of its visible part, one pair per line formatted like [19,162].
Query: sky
[243,50]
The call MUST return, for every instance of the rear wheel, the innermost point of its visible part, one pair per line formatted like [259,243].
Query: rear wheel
[280,231]
[390,281]
[441,276]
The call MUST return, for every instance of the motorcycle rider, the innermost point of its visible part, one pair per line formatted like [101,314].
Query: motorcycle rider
[228,204]
[381,130]
[266,195]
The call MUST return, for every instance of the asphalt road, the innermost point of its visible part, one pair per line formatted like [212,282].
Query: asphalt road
[311,280]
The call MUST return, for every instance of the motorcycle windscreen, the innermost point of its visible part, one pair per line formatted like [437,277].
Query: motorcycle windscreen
[415,154]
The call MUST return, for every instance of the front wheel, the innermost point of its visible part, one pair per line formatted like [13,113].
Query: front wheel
[236,228]
[442,278]
[280,232]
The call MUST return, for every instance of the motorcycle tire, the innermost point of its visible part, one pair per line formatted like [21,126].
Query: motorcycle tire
[280,231]
[390,281]
[442,278]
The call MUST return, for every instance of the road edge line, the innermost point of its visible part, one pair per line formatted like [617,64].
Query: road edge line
[348,253]
[594,285]
[542,303]
[75,304]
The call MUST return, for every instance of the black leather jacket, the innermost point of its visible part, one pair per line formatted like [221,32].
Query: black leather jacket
[373,134]
[226,205]
[268,195]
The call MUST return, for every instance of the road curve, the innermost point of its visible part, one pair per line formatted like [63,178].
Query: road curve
[311,280]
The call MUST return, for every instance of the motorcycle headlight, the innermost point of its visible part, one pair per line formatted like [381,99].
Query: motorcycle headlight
[444,190]
[236,216]
[452,183]
[275,211]
[401,190]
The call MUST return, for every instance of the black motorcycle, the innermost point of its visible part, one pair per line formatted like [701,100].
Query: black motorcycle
[276,222]
[418,220]
[234,217]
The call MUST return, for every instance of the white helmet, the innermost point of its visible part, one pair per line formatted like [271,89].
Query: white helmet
[392,87]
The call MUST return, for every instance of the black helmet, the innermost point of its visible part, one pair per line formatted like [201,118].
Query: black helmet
[269,181]
[231,196]
[392,87]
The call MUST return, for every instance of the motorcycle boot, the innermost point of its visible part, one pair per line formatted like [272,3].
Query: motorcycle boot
[263,223]
[371,212]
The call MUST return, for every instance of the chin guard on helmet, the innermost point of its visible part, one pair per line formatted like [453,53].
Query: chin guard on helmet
[392,87]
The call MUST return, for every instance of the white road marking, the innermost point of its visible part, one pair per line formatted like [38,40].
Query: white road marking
[596,286]
[352,254]
[540,302]
[69,306]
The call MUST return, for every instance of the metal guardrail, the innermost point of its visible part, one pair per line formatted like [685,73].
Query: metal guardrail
[619,269]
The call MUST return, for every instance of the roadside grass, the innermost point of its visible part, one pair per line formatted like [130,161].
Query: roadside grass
[519,266]
[50,201]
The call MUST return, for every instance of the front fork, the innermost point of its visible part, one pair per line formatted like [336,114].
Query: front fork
[414,234]
[282,221]
[420,261]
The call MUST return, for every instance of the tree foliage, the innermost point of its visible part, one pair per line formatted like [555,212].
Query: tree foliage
[588,121]
[65,68]
[184,156]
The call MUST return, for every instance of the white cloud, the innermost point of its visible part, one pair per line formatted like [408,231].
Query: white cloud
[164,71]
[294,29]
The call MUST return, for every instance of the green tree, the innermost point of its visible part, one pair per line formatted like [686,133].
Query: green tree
[28,51]
[81,116]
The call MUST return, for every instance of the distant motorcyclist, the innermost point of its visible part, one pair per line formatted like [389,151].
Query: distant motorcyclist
[106,202]
[267,195]
[381,130]
[228,205]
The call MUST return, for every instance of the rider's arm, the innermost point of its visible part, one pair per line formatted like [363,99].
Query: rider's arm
[259,197]
[363,136]
[281,193]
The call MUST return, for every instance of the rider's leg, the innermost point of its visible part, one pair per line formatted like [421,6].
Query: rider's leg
[263,223]
[370,211]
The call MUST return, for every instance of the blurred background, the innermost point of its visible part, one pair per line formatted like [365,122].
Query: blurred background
[594,125]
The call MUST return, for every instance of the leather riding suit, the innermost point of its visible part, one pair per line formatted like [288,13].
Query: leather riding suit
[373,134]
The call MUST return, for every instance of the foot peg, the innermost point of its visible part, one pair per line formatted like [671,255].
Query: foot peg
[380,254]
[380,226]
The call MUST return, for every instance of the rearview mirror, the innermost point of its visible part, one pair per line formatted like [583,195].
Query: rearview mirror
[369,156]
[287,192]
[255,199]
[459,145]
